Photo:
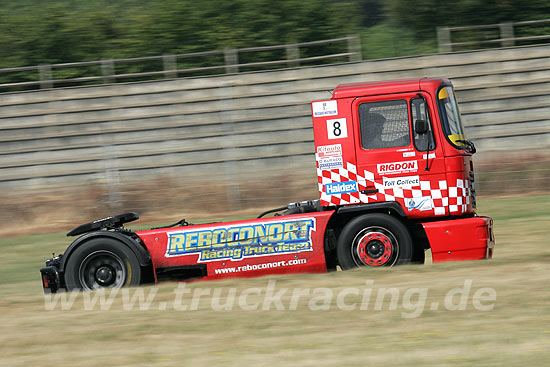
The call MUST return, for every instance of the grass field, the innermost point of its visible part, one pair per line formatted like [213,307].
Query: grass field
[516,332]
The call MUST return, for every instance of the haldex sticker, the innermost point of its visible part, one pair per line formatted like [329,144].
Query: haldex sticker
[397,167]
[325,108]
[336,188]
[403,182]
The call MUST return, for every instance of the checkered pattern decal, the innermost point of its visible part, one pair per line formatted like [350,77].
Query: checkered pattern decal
[456,198]
[459,197]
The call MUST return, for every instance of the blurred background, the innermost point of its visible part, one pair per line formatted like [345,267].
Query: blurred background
[200,109]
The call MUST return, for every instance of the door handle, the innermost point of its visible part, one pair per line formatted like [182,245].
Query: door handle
[369,191]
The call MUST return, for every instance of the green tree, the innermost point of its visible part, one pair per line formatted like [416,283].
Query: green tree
[423,16]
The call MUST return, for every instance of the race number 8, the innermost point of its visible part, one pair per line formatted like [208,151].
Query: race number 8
[337,128]
[337,131]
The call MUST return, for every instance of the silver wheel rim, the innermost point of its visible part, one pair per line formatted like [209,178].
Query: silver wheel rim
[102,269]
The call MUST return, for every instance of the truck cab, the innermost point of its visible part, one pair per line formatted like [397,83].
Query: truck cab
[400,141]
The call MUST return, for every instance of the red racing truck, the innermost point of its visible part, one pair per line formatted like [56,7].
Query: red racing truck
[395,177]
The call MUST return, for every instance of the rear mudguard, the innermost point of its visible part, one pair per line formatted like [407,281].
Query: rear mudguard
[135,245]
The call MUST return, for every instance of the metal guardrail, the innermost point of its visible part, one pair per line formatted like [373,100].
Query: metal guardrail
[506,36]
[45,76]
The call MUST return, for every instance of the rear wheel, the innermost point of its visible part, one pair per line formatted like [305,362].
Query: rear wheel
[102,263]
[374,240]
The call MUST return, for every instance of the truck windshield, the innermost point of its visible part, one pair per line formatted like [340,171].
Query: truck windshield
[450,117]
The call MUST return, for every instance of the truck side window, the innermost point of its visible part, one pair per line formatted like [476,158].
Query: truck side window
[384,124]
[419,111]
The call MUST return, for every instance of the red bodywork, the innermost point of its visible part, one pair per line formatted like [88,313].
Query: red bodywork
[441,198]
[461,239]
[248,248]
[382,148]
[439,182]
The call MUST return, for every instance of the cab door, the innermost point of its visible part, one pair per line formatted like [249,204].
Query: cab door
[394,161]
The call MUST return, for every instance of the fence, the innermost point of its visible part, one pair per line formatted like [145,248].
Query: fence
[242,142]
[504,37]
[230,60]
[166,66]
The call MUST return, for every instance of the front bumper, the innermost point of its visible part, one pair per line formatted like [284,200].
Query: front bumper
[461,239]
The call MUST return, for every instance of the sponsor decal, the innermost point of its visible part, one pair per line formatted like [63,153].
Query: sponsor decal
[408,154]
[432,156]
[337,128]
[243,241]
[397,167]
[405,182]
[331,163]
[336,188]
[253,267]
[324,151]
[422,203]
[325,108]
[330,156]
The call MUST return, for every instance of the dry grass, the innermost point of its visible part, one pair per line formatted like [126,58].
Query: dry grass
[515,333]
[162,199]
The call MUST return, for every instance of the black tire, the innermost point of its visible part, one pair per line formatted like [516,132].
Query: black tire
[102,263]
[374,240]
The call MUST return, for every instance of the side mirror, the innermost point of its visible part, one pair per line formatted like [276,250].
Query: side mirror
[421,127]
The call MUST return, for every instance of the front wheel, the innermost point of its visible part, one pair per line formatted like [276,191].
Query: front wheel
[374,240]
[102,263]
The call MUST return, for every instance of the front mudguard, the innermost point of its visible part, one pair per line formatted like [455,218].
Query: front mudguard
[461,239]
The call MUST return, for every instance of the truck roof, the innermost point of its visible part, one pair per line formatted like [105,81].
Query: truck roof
[386,87]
